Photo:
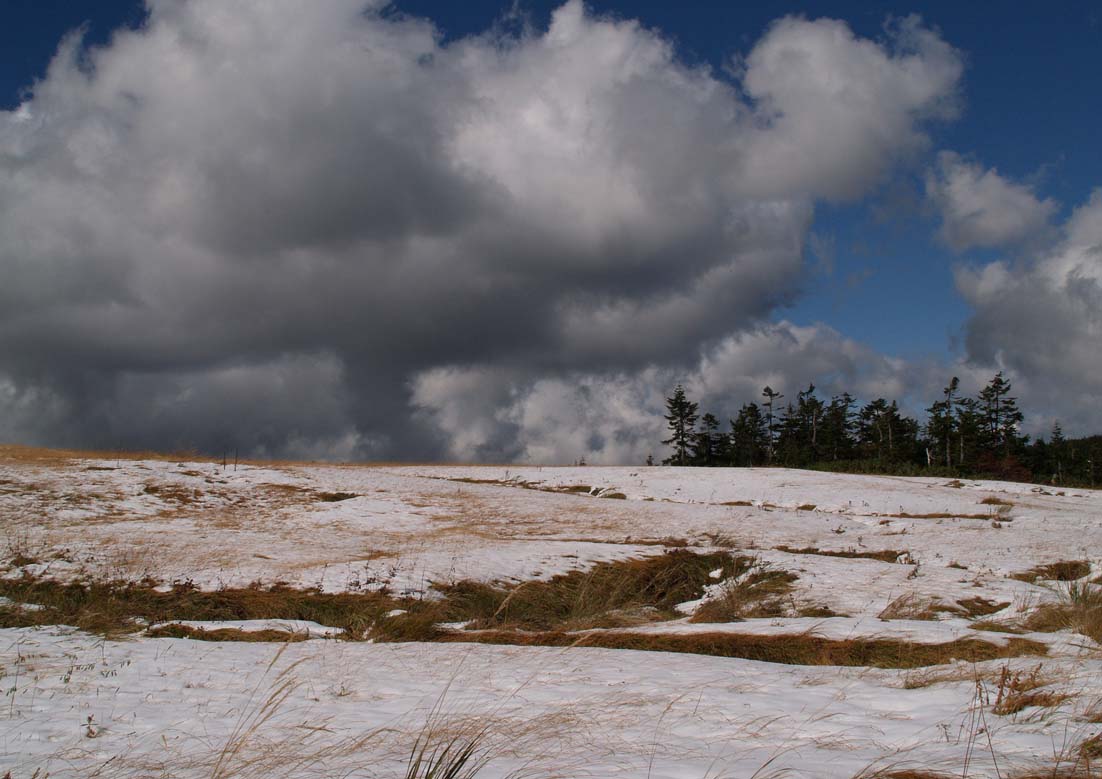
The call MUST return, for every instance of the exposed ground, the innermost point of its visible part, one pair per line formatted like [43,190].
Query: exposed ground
[599,622]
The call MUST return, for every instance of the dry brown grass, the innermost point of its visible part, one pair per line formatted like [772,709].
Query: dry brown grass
[1063,571]
[911,605]
[883,555]
[754,590]
[800,649]
[607,595]
[980,607]
[224,634]
[120,608]
[1018,690]
[1079,609]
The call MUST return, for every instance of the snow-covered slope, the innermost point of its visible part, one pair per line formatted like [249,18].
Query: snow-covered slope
[164,707]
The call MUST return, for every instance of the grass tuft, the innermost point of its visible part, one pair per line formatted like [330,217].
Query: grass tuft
[1064,571]
[883,555]
[800,649]
[754,590]
[1079,609]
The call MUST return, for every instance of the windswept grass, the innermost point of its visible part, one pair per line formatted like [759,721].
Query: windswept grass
[1079,609]
[1063,571]
[883,555]
[119,608]
[800,649]
[173,630]
[754,590]
[609,594]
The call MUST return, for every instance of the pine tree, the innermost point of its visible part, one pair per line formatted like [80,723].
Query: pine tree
[1002,415]
[681,420]
[770,397]
[836,439]
[707,444]
[749,437]
[971,434]
[941,424]
[1057,444]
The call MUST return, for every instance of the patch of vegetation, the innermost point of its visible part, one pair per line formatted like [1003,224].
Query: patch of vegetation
[119,608]
[992,500]
[336,497]
[224,634]
[1063,571]
[1079,609]
[754,590]
[607,595]
[1019,690]
[980,607]
[800,649]
[913,606]
[883,555]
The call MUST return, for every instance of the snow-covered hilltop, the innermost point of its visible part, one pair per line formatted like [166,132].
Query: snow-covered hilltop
[826,566]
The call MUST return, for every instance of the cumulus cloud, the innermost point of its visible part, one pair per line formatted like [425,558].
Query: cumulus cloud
[1042,319]
[980,208]
[618,417]
[273,224]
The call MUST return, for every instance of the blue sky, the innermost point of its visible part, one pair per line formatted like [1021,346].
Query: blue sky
[1031,110]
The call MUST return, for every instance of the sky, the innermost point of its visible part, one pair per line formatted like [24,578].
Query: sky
[503,232]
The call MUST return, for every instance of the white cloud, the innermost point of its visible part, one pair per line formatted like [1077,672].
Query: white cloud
[1043,320]
[980,208]
[261,182]
[618,417]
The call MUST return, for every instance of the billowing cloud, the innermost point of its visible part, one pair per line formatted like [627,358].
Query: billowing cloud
[980,208]
[1042,319]
[618,417]
[272,224]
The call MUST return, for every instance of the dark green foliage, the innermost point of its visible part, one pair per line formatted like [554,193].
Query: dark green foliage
[962,436]
[681,417]
[749,442]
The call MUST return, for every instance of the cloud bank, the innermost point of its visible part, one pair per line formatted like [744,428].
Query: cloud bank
[315,229]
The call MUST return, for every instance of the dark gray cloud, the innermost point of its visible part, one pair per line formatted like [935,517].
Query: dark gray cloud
[314,229]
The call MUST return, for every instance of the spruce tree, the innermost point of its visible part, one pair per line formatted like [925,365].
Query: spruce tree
[1002,415]
[707,444]
[941,424]
[749,437]
[681,419]
[770,426]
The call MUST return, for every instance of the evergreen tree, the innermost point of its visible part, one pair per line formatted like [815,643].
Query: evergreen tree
[877,429]
[836,440]
[1002,416]
[681,419]
[1057,444]
[941,424]
[770,425]
[749,437]
[972,438]
[708,445]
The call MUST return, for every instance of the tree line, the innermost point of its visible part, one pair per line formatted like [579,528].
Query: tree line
[962,435]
